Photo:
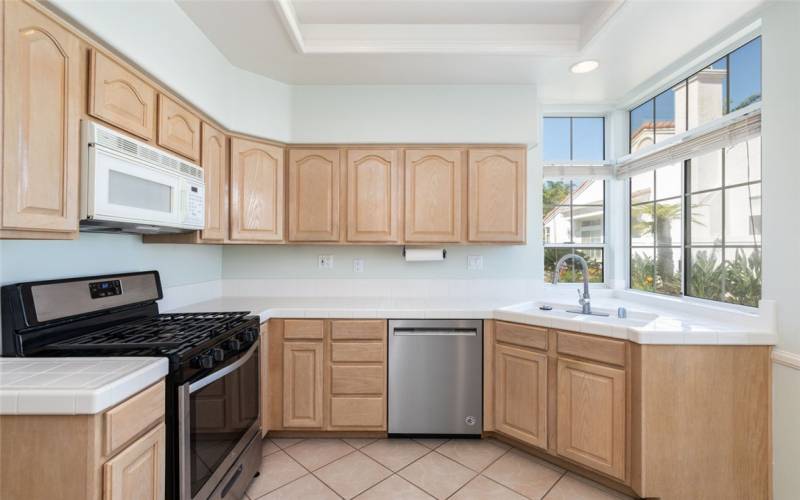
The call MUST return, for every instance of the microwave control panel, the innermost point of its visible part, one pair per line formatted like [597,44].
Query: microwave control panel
[193,205]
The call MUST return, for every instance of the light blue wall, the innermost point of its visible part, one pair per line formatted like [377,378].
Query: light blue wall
[24,260]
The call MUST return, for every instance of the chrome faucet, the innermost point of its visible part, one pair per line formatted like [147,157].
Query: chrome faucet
[583,299]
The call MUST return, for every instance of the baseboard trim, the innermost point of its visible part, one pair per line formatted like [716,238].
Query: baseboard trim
[786,358]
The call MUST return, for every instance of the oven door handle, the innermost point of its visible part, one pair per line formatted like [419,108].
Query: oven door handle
[199,384]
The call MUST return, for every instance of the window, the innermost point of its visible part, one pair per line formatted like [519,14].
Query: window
[730,83]
[574,209]
[578,139]
[715,201]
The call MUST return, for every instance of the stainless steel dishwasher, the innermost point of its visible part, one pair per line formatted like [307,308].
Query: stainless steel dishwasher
[435,377]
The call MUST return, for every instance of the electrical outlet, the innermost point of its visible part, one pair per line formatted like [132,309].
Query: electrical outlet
[475,262]
[325,262]
[358,265]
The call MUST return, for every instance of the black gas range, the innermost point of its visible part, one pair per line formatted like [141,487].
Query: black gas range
[213,386]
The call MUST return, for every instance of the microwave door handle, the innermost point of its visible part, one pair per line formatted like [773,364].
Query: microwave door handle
[213,377]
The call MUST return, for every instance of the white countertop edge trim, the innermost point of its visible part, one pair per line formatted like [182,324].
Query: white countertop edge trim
[786,358]
[67,401]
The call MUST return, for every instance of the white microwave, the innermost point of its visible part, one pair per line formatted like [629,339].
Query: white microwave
[128,186]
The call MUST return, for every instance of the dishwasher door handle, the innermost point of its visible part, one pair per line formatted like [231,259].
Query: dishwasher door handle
[414,332]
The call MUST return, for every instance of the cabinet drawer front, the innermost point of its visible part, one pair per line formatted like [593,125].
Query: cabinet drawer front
[303,329]
[521,335]
[132,417]
[358,412]
[357,379]
[359,352]
[595,348]
[358,330]
[120,98]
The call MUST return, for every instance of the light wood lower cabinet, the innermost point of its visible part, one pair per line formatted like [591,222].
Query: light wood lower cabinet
[302,385]
[115,455]
[256,191]
[331,375]
[521,394]
[591,416]
[42,99]
[137,473]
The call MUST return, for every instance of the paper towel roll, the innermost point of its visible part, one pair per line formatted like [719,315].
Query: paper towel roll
[424,254]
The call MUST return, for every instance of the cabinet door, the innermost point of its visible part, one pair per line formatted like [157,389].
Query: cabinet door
[591,416]
[137,472]
[434,193]
[215,172]
[521,394]
[302,384]
[373,195]
[256,191]
[42,93]
[120,98]
[497,190]
[314,183]
[178,128]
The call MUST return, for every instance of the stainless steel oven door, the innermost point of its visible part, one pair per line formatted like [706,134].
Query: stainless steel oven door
[218,416]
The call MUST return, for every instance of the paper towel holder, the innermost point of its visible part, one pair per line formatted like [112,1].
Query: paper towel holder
[444,252]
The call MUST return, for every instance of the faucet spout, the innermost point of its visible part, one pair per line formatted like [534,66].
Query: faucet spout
[585,299]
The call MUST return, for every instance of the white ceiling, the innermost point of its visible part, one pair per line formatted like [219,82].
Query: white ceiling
[465,41]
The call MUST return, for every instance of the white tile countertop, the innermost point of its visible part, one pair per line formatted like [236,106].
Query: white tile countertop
[73,386]
[645,323]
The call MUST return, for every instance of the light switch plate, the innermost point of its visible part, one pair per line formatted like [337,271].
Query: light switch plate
[325,262]
[475,262]
[358,265]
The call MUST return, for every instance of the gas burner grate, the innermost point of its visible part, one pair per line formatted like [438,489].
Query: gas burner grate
[164,332]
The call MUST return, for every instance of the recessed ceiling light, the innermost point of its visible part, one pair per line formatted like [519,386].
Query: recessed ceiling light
[584,66]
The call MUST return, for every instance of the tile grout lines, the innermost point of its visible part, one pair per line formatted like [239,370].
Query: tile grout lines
[554,484]
[480,473]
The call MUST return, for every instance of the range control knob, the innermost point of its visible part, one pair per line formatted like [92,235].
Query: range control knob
[249,335]
[218,354]
[204,361]
[232,345]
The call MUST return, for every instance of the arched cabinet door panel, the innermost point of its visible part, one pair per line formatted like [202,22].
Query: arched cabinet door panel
[434,195]
[41,77]
[215,173]
[178,128]
[256,194]
[497,195]
[314,189]
[373,195]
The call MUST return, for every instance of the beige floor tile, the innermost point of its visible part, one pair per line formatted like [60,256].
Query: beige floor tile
[477,454]
[437,475]
[359,443]
[352,474]
[276,470]
[394,488]
[314,453]
[307,487]
[431,443]
[524,474]
[268,447]
[395,453]
[284,443]
[482,488]
[572,487]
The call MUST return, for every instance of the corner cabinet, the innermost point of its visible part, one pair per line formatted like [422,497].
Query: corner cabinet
[434,193]
[256,191]
[373,195]
[497,201]
[42,99]
[314,188]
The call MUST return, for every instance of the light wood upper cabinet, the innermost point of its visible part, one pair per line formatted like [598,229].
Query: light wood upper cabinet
[497,193]
[137,473]
[302,384]
[373,195]
[215,173]
[120,98]
[521,394]
[314,185]
[178,128]
[256,194]
[42,94]
[433,195]
[591,416]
